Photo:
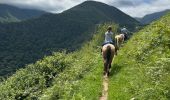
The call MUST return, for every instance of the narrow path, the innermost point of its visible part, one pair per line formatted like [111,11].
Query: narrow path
[105,88]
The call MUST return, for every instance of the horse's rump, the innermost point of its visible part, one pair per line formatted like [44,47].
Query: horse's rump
[119,39]
[108,52]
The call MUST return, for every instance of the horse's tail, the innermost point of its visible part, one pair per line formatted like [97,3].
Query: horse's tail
[117,43]
[123,37]
[108,53]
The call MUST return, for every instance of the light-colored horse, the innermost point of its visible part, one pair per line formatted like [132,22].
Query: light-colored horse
[119,39]
[108,52]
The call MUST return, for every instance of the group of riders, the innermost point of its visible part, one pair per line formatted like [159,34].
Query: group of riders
[110,47]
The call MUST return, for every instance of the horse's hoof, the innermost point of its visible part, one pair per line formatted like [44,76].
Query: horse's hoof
[108,73]
[105,76]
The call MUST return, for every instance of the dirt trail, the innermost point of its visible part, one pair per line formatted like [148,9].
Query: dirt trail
[105,88]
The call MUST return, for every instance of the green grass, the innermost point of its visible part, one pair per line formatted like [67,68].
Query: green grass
[86,79]
[90,86]
[75,75]
[142,68]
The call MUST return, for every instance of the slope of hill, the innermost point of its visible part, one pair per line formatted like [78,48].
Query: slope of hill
[61,76]
[152,17]
[13,14]
[26,42]
[141,71]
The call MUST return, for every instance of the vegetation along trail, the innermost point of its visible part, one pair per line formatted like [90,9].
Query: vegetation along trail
[73,76]
[140,71]
[144,73]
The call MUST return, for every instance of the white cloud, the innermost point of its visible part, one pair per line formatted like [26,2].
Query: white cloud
[135,8]
[147,8]
[47,5]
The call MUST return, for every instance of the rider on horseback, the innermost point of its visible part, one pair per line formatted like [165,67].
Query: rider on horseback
[108,51]
[108,36]
[125,32]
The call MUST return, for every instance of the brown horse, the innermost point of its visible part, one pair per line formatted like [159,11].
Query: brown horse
[119,39]
[108,52]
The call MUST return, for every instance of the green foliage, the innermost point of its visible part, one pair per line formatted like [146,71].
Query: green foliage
[141,69]
[34,78]
[61,76]
[77,82]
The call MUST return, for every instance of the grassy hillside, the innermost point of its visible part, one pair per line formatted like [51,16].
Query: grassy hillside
[27,41]
[140,71]
[75,75]
[142,68]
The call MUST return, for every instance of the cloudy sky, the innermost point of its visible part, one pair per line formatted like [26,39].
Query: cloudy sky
[135,8]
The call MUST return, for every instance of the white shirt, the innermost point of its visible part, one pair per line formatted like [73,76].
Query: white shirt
[108,37]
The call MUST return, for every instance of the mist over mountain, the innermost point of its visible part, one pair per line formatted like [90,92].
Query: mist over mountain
[13,14]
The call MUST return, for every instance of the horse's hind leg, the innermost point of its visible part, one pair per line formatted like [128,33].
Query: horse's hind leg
[110,62]
[105,67]
[110,66]
[108,69]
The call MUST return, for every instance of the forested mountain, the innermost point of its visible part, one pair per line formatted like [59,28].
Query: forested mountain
[10,13]
[151,17]
[27,41]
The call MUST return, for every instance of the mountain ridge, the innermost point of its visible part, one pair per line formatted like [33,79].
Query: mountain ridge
[111,11]
[152,17]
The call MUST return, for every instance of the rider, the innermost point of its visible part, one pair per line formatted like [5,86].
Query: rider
[108,36]
[125,32]
[107,50]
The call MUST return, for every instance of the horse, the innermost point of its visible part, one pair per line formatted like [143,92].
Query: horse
[119,39]
[108,52]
